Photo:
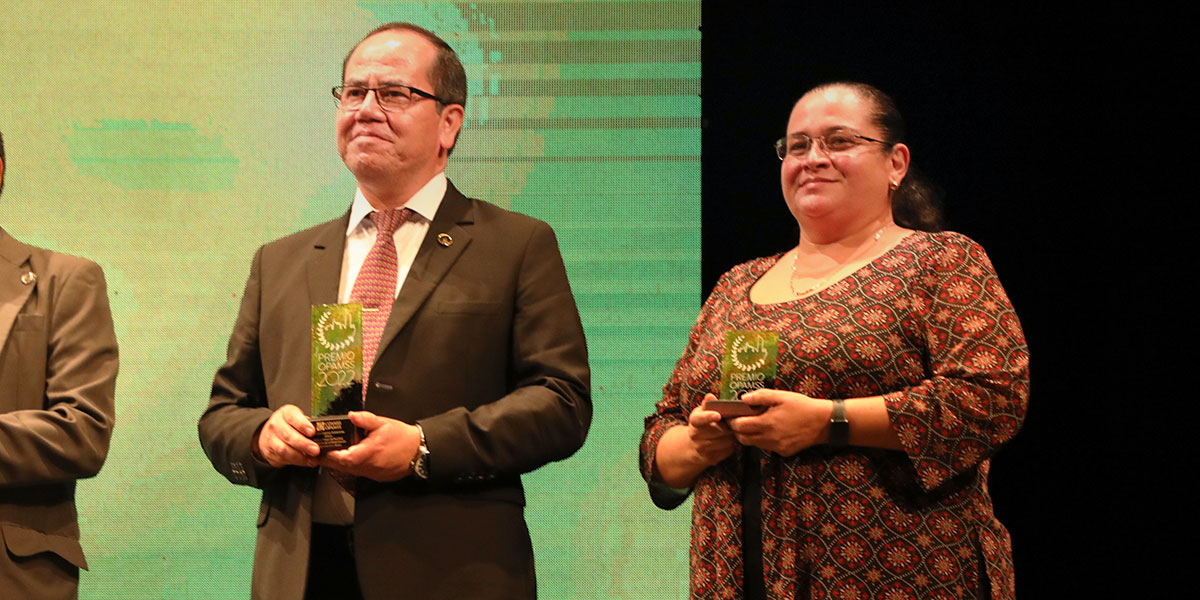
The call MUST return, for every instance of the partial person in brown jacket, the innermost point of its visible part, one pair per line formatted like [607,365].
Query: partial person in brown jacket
[58,372]
[480,375]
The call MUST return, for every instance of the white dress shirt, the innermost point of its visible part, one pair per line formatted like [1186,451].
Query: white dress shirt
[360,234]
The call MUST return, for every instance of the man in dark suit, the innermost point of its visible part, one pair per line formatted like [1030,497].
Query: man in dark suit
[58,373]
[480,372]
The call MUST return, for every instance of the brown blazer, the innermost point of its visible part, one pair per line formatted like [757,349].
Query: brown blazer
[483,347]
[58,372]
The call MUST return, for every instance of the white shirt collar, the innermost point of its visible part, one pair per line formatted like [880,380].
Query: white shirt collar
[425,202]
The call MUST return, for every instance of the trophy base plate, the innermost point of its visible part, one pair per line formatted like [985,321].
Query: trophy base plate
[334,432]
[733,408]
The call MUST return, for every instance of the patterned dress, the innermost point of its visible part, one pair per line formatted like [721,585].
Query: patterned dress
[928,326]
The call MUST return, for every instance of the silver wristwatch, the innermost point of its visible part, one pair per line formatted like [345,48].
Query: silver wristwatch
[420,462]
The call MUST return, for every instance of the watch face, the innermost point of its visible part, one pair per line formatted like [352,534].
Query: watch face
[421,464]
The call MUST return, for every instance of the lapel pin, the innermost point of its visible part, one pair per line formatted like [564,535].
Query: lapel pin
[29,278]
[445,240]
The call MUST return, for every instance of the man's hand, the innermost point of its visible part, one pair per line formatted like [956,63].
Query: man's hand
[384,455]
[791,423]
[285,439]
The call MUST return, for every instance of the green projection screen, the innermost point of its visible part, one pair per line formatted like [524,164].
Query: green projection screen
[168,140]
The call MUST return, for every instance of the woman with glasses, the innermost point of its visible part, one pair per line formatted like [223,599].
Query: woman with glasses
[901,369]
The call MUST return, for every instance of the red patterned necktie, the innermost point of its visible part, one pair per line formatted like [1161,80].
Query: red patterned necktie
[375,286]
[375,289]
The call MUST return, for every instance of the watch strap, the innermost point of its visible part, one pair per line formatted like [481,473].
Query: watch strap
[839,425]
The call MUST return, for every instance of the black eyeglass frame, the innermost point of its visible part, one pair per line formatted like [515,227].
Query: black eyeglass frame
[338,89]
[781,144]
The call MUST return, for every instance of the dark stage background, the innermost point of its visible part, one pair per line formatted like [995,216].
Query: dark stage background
[1049,132]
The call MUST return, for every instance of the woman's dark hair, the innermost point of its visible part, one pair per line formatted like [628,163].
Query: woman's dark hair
[2,161]
[916,204]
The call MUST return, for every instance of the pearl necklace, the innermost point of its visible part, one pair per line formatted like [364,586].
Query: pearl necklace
[824,279]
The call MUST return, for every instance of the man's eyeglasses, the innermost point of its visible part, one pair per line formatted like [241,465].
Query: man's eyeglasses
[389,97]
[831,143]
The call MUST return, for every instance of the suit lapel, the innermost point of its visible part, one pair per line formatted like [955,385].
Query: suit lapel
[14,264]
[433,261]
[325,261]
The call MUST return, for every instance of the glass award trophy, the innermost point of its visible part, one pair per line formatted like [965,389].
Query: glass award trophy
[337,366]
[748,364]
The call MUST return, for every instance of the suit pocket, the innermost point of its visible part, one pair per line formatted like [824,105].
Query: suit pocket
[29,322]
[469,308]
[25,542]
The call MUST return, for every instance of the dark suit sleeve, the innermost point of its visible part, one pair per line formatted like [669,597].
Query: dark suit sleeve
[547,414]
[68,438]
[238,405]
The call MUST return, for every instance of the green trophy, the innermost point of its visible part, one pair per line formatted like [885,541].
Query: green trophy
[337,367]
[748,364]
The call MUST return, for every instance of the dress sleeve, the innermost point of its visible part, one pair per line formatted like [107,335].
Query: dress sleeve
[675,405]
[976,389]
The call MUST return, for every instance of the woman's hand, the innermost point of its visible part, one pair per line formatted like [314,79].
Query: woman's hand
[711,438]
[685,451]
[790,423]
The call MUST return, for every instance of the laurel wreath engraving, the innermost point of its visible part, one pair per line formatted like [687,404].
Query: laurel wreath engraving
[322,326]
[739,344]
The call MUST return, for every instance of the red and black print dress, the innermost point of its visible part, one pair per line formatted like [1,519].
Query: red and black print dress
[928,326]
